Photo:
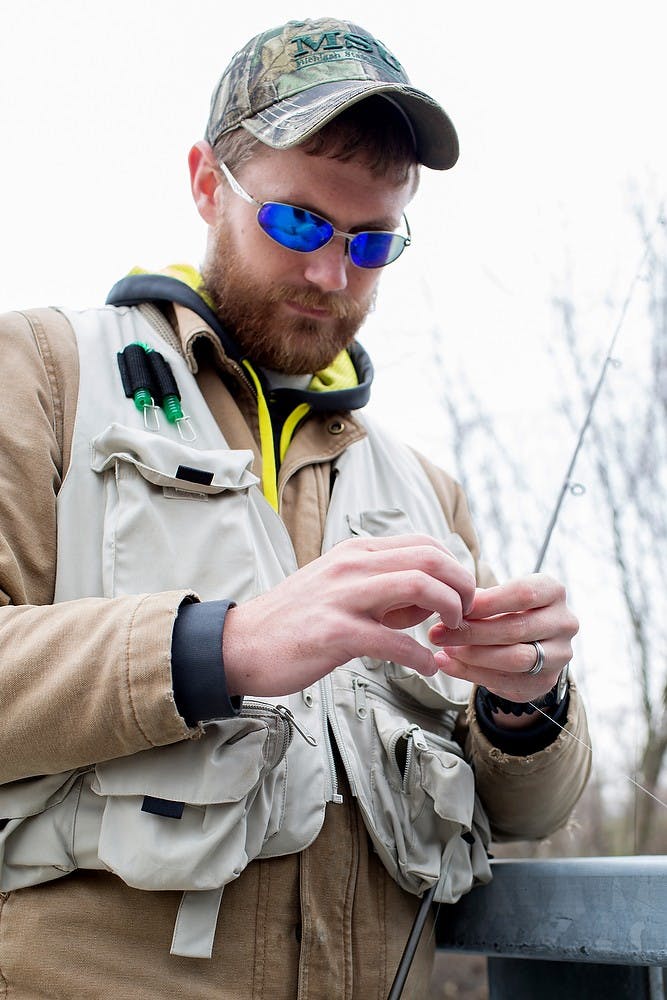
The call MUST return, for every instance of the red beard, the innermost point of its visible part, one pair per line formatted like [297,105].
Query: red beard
[295,345]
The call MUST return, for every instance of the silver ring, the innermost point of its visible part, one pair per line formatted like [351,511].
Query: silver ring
[539,659]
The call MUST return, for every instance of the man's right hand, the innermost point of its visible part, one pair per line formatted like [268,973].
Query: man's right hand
[353,601]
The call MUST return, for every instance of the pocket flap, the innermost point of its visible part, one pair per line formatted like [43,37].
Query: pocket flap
[380,523]
[158,459]
[30,796]
[437,770]
[222,766]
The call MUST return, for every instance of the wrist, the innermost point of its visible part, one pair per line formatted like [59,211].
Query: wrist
[542,728]
[503,710]
[506,720]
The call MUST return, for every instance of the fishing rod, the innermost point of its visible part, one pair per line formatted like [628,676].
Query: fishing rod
[607,361]
[405,964]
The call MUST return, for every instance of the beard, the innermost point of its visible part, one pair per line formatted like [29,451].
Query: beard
[294,345]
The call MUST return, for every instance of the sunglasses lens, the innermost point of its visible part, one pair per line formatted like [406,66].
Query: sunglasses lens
[301,230]
[376,249]
[294,228]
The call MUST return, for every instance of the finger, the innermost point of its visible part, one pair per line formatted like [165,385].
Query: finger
[379,542]
[507,629]
[519,687]
[516,659]
[522,594]
[406,617]
[381,643]
[435,563]
[378,556]
[393,593]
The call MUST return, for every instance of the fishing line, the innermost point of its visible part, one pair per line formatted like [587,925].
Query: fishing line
[646,791]
[569,732]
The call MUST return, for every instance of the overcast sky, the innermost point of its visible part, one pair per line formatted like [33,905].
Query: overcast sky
[559,108]
[560,114]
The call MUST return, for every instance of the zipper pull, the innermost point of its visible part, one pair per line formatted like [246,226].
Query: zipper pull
[415,743]
[418,738]
[360,706]
[285,713]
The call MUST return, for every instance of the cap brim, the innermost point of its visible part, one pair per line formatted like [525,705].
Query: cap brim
[290,121]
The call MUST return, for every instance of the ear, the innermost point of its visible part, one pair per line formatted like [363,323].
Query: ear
[205,178]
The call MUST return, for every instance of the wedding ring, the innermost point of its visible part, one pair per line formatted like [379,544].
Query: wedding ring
[539,659]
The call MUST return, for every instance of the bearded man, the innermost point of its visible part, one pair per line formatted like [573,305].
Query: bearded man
[260,692]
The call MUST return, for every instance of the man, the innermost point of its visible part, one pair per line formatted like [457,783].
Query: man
[232,763]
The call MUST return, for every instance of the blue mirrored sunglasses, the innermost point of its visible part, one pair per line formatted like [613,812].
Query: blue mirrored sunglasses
[303,231]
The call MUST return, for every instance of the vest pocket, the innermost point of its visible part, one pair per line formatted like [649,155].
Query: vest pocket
[219,798]
[424,808]
[39,816]
[174,516]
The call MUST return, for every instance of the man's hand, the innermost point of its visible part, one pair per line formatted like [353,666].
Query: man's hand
[353,601]
[493,645]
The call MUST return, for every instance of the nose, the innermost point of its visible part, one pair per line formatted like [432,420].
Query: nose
[327,267]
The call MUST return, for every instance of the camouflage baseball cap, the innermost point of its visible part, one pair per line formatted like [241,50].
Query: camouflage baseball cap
[288,82]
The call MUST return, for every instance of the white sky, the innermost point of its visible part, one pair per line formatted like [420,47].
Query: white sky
[560,111]
[560,114]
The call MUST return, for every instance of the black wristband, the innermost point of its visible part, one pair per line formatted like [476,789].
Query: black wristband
[520,742]
[197,667]
[548,703]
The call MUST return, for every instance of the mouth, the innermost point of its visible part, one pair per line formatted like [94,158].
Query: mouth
[312,312]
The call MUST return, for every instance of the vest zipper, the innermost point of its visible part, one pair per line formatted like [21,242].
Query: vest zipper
[360,706]
[365,688]
[416,741]
[285,712]
[330,726]
[263,710]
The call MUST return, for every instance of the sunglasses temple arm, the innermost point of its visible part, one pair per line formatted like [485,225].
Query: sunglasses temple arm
[236,187]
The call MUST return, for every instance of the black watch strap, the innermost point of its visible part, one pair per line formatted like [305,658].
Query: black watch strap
[548,702]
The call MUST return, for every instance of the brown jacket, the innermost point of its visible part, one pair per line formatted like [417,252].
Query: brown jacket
[90,680]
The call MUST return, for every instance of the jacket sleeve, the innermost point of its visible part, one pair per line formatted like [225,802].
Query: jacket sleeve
[85,680]
[528,796]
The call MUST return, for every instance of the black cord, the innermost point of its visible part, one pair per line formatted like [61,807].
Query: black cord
[396,991]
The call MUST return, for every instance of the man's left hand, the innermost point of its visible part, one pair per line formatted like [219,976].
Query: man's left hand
[493,646]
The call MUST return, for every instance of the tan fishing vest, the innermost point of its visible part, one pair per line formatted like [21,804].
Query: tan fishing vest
[190,816]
